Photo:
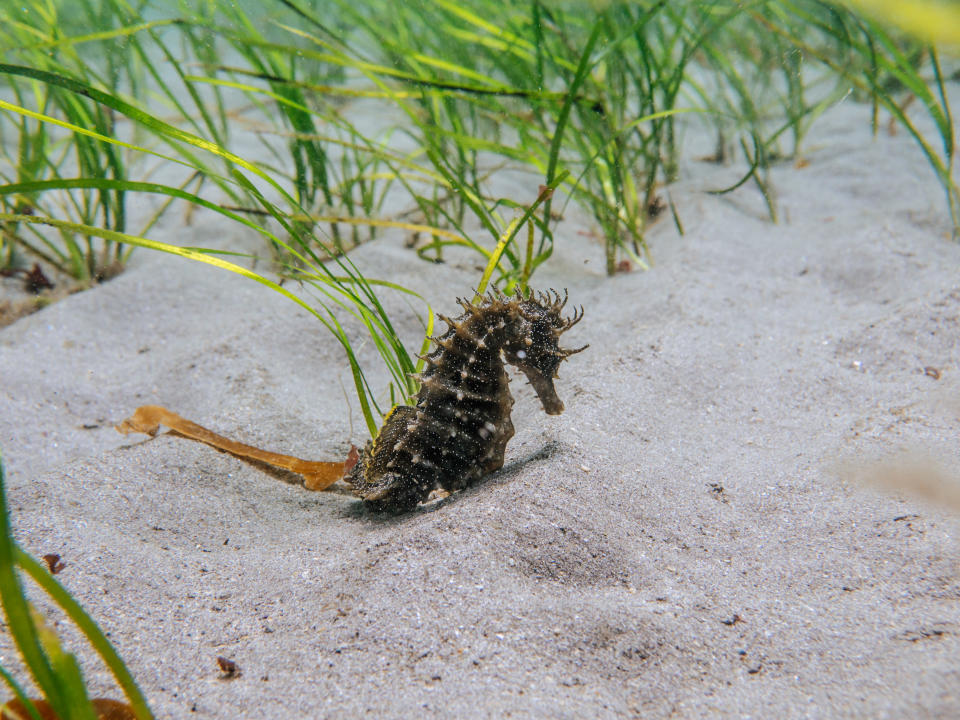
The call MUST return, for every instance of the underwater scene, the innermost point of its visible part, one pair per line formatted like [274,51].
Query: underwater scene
[473,359]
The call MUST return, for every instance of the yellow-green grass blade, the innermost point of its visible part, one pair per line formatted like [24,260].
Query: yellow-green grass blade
[67,670]
[505,239]
[155,125]
[89,133]
[927,19]
[511,232]
[88,626]
[253,89]
[325,90]
[40,186]
[19,694]
[193,254]
[114,34]
[20,623]
[492,28]
[368,68]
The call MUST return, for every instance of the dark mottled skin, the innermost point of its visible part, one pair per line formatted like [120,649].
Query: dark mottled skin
[460,426]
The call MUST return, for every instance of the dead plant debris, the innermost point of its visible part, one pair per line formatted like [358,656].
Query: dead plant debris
[54,563]
[229,670]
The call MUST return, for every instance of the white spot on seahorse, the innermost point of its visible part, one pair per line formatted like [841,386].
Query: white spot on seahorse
[521,354]
[459,395]
[490,426]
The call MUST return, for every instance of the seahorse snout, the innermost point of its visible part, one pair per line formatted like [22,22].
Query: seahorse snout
[543,386]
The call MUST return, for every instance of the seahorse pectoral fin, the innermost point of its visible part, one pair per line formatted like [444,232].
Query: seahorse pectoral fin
[543,386]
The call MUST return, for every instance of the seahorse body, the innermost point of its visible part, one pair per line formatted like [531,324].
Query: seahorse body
[460,426]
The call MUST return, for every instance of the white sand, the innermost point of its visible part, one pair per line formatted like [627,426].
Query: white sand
[602,572]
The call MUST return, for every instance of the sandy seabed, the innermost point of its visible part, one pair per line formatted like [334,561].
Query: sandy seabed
[691,538]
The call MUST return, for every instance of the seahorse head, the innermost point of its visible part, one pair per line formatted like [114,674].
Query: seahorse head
[533,343]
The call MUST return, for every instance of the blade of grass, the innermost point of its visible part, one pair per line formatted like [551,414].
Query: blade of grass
[579,77]
[927,19]
[375,320]
[67,670]
[88,626]
[17,611]
[19,694]
[511,232]
[156,126]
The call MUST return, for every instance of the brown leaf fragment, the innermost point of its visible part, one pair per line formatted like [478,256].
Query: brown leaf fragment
[16,710]
[103,708]
[107,709]
[35,281]
[353,457]
[228,668]
[54,563]
[317,475]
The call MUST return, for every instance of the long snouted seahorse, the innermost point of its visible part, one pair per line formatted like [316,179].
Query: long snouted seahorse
[460,426]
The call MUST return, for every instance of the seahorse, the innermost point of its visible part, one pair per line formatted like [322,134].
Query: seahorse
[459,428]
